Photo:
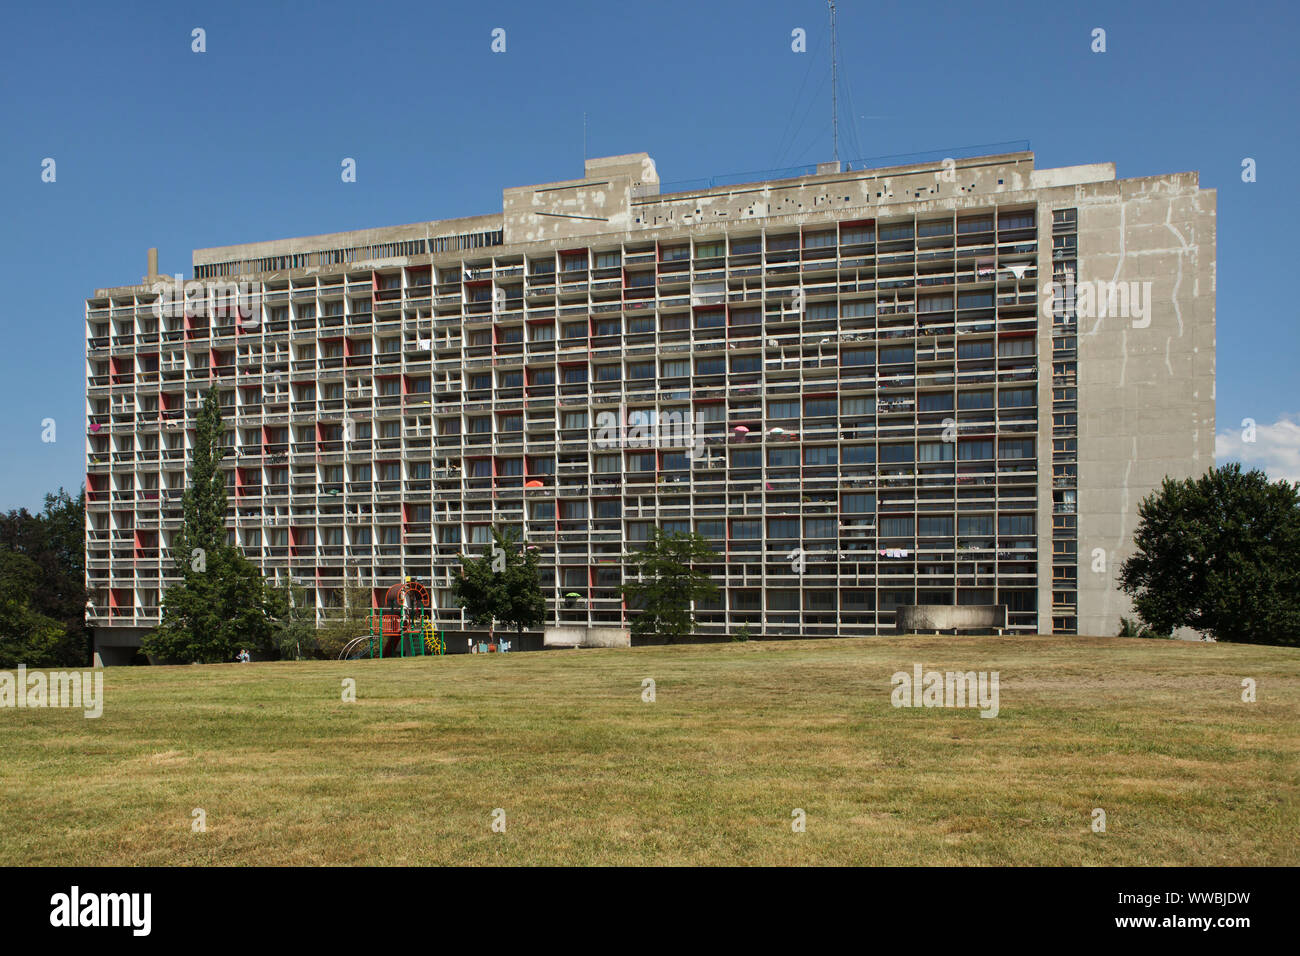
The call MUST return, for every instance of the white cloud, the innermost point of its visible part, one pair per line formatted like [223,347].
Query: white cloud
[1276,448]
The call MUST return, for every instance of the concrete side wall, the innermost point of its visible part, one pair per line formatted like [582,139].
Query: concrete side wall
[1146,384]
[587,637]
[942,617]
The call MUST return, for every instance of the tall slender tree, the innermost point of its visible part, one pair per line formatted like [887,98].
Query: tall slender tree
[221,603]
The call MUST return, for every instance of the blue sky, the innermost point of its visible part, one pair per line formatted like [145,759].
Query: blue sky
[156,145]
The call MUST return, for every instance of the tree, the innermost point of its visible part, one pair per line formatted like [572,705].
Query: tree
[1220,554]
[26,636]
[293,621]
[54,542]
[1131,627]
[668,583]
[350,622]
[502,586]
[221,603]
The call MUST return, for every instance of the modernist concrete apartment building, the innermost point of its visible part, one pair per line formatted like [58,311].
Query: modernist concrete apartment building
[939,383]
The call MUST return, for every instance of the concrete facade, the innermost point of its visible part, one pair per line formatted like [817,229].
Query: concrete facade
[825,336]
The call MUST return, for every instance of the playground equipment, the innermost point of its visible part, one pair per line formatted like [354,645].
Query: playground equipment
[403,627]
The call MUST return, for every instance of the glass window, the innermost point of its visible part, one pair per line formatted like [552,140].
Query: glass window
[968,401]
[858,503]
[975,350]
[783,527]
[896,527]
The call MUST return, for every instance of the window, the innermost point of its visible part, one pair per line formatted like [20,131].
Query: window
[416,469]
[711,366]
[818,240]
[608,260]
[711,529]
[1016,448]
[609,327]
[1016,347]
[575,376]
[975,450]
[1016,220]
[894,454]
[542,376]
[712,319]
[975,350]
[975,525]
[641,370]
[644,323]
[746,317]
[819,600]
[975,224]
[674,253]
[857,406]
[748,530]
[510,466]
[856,357]
[819,407]
[746,458]
[606,464]
[896,527]
[675,461]
[969,401]
[783,527]
[710,250]
[783,600]
[859,454]
[511,335]
[856,235]
[821,455]
[745,247]
[543,510]
[783,457]
[934,303]
[934,402]
[677,368]
[896,354]
[541,333]
[746,363]
[574,420]
[1015,524]
[783,409]
[934,526]
[480,424]
[1016,397]
[858,504]
[573,509]
[608,373]
[975,300]
[641,461]
[480,380]
[512,379]
[609,509]
[900,230]
[935,451]
[819,528]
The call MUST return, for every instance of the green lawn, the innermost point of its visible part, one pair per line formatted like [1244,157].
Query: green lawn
[1153,732]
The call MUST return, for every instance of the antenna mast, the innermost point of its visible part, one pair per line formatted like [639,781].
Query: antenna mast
[835,105]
